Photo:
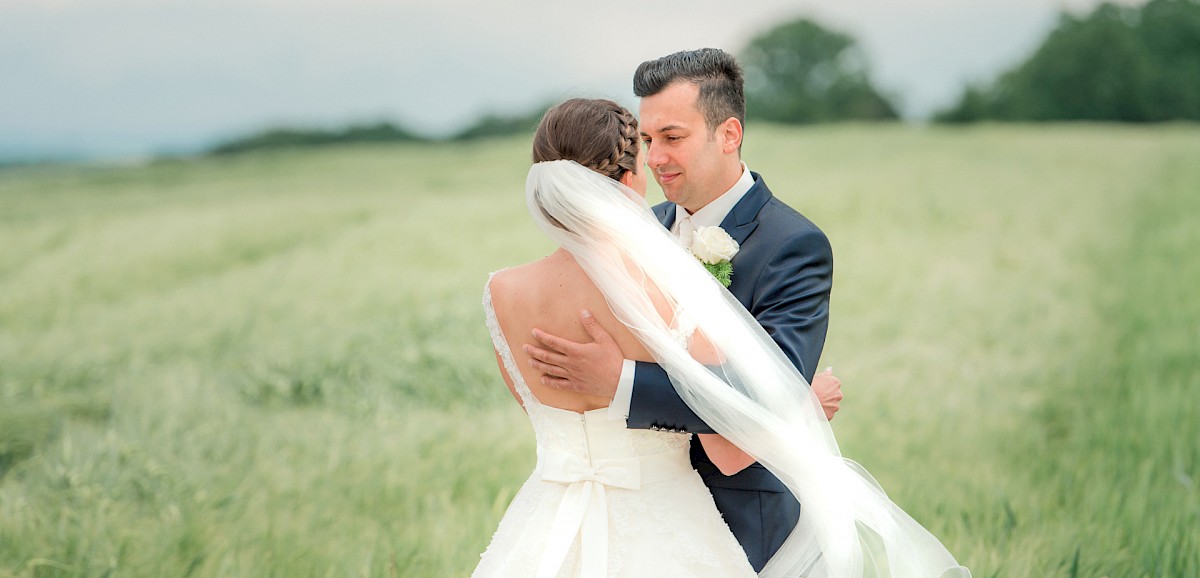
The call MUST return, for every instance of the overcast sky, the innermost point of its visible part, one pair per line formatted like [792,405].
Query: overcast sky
[128,77]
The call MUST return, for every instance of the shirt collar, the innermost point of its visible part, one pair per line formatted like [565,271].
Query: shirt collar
[712,214]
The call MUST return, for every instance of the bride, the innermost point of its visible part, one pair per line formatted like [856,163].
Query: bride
[604,500]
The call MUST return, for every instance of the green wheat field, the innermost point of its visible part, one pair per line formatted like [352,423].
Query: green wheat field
[275,365]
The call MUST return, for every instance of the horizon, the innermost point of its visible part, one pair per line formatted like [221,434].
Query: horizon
[138,78]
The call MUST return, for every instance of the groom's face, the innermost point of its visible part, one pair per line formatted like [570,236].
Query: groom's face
[681,151]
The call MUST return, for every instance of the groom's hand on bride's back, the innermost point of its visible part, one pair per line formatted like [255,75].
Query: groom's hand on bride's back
[591,368]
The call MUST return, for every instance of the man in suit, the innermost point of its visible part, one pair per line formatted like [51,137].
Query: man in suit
[692,113]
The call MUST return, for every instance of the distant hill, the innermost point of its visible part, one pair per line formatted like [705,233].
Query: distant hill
[488,125]
[297,138]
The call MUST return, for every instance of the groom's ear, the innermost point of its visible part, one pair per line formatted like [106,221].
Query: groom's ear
[730,135]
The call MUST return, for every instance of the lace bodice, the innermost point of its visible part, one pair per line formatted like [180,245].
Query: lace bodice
[590,435]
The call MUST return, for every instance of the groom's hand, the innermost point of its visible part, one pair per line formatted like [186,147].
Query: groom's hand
[591,368]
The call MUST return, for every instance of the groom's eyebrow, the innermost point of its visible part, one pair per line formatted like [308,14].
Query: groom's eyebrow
[668,128]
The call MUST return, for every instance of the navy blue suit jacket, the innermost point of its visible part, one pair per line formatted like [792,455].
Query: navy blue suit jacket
[782,274]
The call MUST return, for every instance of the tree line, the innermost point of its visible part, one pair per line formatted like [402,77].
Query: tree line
[1117,63]
[489,125]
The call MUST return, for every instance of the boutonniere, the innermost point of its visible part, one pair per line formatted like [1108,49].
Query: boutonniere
[714,248]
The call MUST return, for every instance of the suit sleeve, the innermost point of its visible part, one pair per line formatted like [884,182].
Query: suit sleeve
[791,302]
[656,404]
[792,299]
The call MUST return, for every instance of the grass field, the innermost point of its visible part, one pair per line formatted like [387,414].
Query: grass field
[276,365]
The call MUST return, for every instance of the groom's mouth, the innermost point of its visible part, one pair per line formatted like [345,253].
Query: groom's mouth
[667,178]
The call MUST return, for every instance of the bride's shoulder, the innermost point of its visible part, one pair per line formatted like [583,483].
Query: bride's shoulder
[533,272]
[538,280]
[511,274]
[514,280]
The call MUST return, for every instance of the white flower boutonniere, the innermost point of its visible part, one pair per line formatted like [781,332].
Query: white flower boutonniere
[715,248]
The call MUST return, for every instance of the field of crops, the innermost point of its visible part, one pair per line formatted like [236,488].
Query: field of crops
[276,364]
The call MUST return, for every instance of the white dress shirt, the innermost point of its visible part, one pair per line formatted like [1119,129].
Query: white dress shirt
[709,215]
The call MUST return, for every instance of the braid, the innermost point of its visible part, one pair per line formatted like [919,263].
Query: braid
[625,148]
[598,134]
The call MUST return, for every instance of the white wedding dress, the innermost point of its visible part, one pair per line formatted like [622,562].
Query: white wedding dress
[606,501]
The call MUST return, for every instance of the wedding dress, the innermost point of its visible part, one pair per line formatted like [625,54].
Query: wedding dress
[606,501]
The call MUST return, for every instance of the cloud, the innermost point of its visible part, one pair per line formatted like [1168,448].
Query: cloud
[154,73]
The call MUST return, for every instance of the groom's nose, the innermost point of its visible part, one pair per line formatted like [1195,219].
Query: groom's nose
[655,157]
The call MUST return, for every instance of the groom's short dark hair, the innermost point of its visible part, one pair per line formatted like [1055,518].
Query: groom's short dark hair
[715,71]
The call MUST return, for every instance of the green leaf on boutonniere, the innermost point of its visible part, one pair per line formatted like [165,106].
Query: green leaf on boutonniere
[723,271]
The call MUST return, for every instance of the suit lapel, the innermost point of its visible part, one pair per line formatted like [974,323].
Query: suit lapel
[742,220]
[666,214]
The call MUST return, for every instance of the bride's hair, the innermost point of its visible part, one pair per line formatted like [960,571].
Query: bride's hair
[596,133]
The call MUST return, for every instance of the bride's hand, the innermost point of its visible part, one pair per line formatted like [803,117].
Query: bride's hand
[828,389]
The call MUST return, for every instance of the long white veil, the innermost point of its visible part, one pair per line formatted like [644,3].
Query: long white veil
[748,391]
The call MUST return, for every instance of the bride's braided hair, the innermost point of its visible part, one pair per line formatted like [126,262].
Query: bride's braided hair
[596,133]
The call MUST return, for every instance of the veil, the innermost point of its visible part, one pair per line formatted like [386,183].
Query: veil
[738,381]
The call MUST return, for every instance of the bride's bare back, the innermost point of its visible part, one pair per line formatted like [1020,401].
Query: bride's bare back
[549,294]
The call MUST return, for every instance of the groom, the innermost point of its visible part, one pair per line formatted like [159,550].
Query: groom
[692,112]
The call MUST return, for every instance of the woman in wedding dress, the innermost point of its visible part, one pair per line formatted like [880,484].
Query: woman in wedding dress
[604,500]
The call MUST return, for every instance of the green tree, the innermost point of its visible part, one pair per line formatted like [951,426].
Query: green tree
[1169,31]
[1088,69]
[1115,64]
[800,72]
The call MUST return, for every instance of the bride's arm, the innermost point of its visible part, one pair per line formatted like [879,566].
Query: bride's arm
[723,453]
[728,458]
